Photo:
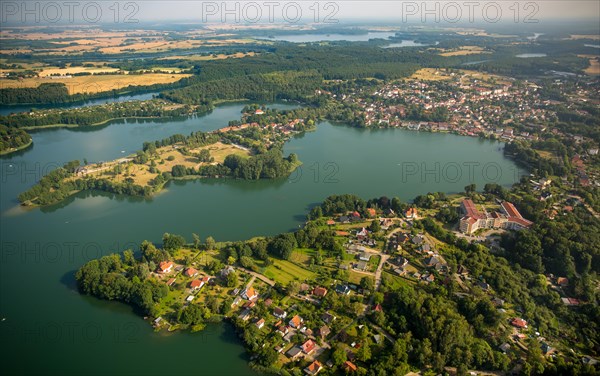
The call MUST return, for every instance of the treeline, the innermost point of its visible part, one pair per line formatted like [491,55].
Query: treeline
[123,279]
[98,114]
[56,186]
[260,87]
[269,165]
[12,138]
[47,93]
[55,93]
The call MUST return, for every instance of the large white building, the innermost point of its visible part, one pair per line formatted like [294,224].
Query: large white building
[509,218]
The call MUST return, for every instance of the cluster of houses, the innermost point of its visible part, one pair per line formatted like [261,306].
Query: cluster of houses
[508,218]
[504,104]
[197,281]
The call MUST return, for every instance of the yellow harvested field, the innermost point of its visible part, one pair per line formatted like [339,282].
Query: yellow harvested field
[237,55]
[465,50]
[74,70]
[430,74]
[594,68]
[585,36]
[96,83]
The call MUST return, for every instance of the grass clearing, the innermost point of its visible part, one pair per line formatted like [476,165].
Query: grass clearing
[140,173]
[430,74]
[284,272]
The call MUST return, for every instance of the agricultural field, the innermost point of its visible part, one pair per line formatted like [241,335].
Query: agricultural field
[93,84]
[464,50]
[594,68]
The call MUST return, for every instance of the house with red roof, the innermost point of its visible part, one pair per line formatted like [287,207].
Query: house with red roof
[519,323]
[411,213]
[191,272]
[296,321]
[320,292]
[196,284]
[308,346]
[313,368]
[170,282]
[349,366]
[260,323]
[372,212]
[165,267]
[250,293]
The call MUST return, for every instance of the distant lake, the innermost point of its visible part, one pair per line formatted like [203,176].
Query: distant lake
[527,56]
[407,43]
[306,38]
[535,36]
[476,62]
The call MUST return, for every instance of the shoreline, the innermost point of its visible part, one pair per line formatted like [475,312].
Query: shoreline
[19,148]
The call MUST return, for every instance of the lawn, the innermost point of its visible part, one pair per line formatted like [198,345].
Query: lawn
[394,281]
[284,272]
[302,256]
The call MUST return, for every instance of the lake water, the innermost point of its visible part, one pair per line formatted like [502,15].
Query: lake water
[70,334]
[530,55]
[8,109]
[306,38]
[407,43]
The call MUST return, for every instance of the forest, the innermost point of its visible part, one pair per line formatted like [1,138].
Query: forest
[12,138]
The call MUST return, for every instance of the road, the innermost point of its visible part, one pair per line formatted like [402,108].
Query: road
[383,260]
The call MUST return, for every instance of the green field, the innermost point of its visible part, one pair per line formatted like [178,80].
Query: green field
[284,272]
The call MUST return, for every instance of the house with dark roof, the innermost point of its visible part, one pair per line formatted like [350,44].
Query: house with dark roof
[294,352]
[324,331]
[342,289]
[279,313]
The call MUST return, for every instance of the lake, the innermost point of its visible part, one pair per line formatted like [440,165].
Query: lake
[306,38]
[530,55]
[70,334]
[407,43]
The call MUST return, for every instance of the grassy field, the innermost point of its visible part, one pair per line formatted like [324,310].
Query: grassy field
[464,50]
[284,272]
[96,83]
[430,74]
[140,173]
